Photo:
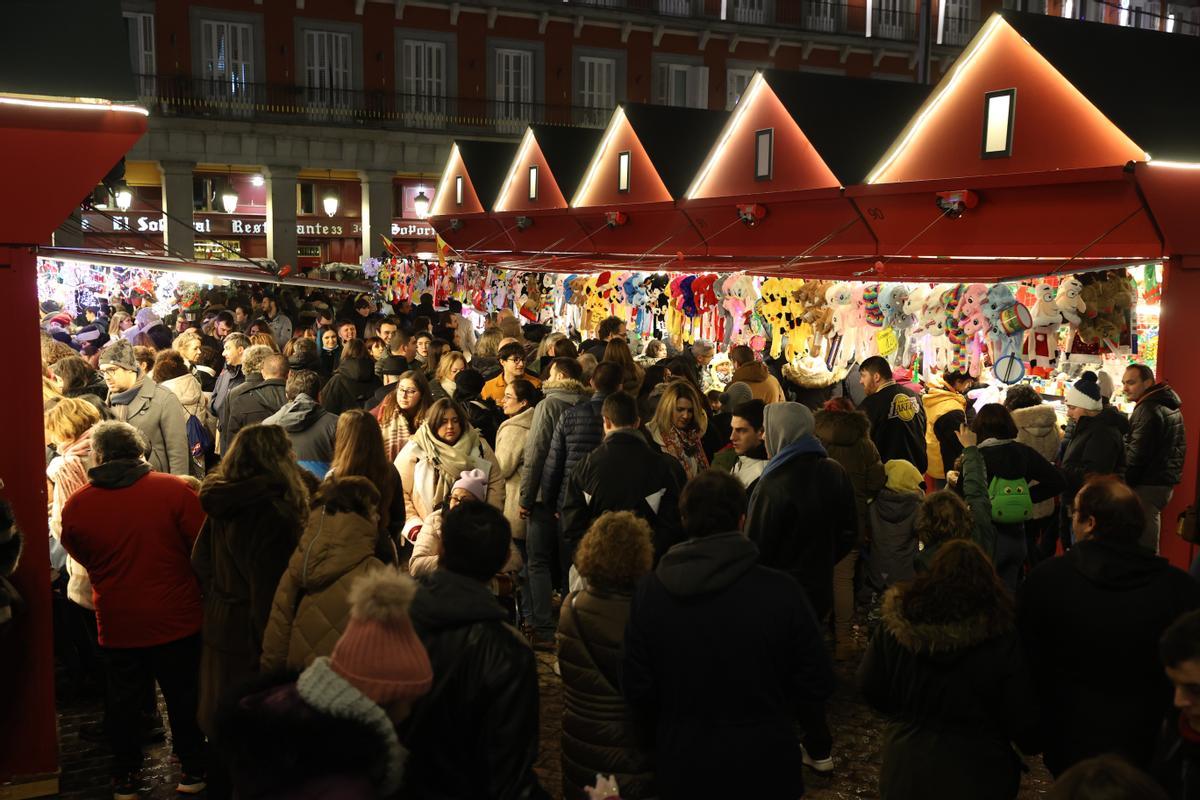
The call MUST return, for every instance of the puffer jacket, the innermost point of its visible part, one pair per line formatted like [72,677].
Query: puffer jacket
[941,444]
[761,382]
[579,431]
[483,670]
[958,694]
[847,439]
[598,729]
[1037,427]
[239,557]
[510,454]
[1157,440]
[1097,447]
[893,542]
[312,603]
[351,386]
[559,396]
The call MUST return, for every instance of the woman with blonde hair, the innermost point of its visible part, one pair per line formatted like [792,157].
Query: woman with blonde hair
[171,372]
[402,411]
[358,451]
[118,323]
[483,357]
[632,375]
[679,424]
[69,428]
[598,734]
[448,368]
[257,505]
[435,458]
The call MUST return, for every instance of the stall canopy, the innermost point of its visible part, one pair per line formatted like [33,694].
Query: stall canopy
[772,184]
[533,205]
[467,192]
[645,162]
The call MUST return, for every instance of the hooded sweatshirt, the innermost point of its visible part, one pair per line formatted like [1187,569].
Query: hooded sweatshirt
[311,429]
[709,564]
[788,432]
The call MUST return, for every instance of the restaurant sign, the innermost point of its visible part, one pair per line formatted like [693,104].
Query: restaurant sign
[212,224]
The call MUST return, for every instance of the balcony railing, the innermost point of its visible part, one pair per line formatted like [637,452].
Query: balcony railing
[892,23]
[181,96]
[957,29]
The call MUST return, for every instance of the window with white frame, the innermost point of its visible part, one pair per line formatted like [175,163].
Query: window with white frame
[751,12]
[682,85]
[227,57]
[954,27]
[327,66]
[140,28]
[736,81]
[514,84]
[893,18]
[424,85]
[598,84]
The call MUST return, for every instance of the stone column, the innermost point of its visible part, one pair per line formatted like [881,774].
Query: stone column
[281,215]
[180,235]
[377,211]
[70,233]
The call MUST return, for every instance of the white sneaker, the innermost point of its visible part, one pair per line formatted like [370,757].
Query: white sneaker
[823,766]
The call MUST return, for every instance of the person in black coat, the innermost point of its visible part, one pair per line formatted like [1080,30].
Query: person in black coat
[804,519]
[1156,446]
[253,404]
[896,413]
[354,382]
[579,431]
[1091,621]
[624,474]
[484,415]
[1176,764]
[1007,459]
[1097,445]
[476,733]
[719,652]
[946,666]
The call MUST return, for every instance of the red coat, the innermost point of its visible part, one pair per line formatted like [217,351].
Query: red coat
[134,533]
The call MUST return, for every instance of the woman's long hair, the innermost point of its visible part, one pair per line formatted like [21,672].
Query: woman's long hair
[390,406]
[438,349]
[265,450]
[447,363]
[358,449]
[618,353]
[664,415]
[114,323]
[961,584]
[437,414]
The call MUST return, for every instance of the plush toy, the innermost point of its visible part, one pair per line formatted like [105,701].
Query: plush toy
[1069,301]
[772,307]
[1041,341]
[740,296]
[872,311]
[840,298]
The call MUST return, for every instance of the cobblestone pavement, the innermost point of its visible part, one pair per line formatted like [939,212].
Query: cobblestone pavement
[857,730]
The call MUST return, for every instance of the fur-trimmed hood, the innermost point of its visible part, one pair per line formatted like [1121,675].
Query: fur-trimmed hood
[566,386]
[944,638]
[842,428]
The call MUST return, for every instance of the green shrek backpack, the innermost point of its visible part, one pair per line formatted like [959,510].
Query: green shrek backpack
[1010,499]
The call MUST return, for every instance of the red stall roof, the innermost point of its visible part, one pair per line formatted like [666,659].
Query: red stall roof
[544,175]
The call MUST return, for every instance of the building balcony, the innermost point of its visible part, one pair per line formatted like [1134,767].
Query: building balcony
[195,98]
[1181,18]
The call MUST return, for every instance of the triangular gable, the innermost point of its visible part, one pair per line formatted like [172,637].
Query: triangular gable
[567,151]
[760,150]
[455,193]
[677,140]
[1053,126]
[481,167]
[530,184]
[600,186]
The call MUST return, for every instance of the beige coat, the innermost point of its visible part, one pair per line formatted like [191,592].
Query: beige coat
[421,492]
[510,454]
[312,605]
[1037,426]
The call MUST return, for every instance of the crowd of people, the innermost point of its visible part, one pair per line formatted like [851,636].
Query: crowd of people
[336,540]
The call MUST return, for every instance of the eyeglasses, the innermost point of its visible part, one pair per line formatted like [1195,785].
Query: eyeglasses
[408,392]
[516,359]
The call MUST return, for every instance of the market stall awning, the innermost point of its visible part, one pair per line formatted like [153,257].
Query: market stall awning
[643,165]
[467,191]
[534,202]
[1011,155]
[771,185]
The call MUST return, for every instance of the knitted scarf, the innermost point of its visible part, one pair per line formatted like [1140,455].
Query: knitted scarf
[395,435]
[685,447]
[450,460]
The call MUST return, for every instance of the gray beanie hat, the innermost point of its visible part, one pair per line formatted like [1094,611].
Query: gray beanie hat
[735,394]
[119,354]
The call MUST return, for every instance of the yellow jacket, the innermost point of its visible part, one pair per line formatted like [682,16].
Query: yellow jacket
[939,400]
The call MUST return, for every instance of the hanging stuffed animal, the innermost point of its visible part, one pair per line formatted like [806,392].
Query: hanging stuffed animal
[1041,341]
[840,298]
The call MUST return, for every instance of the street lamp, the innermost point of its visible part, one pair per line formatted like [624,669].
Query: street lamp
[123,196]
[329,201]
[229,198]
[421,203]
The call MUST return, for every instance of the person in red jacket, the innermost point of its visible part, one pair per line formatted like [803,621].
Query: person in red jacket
[133,530]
